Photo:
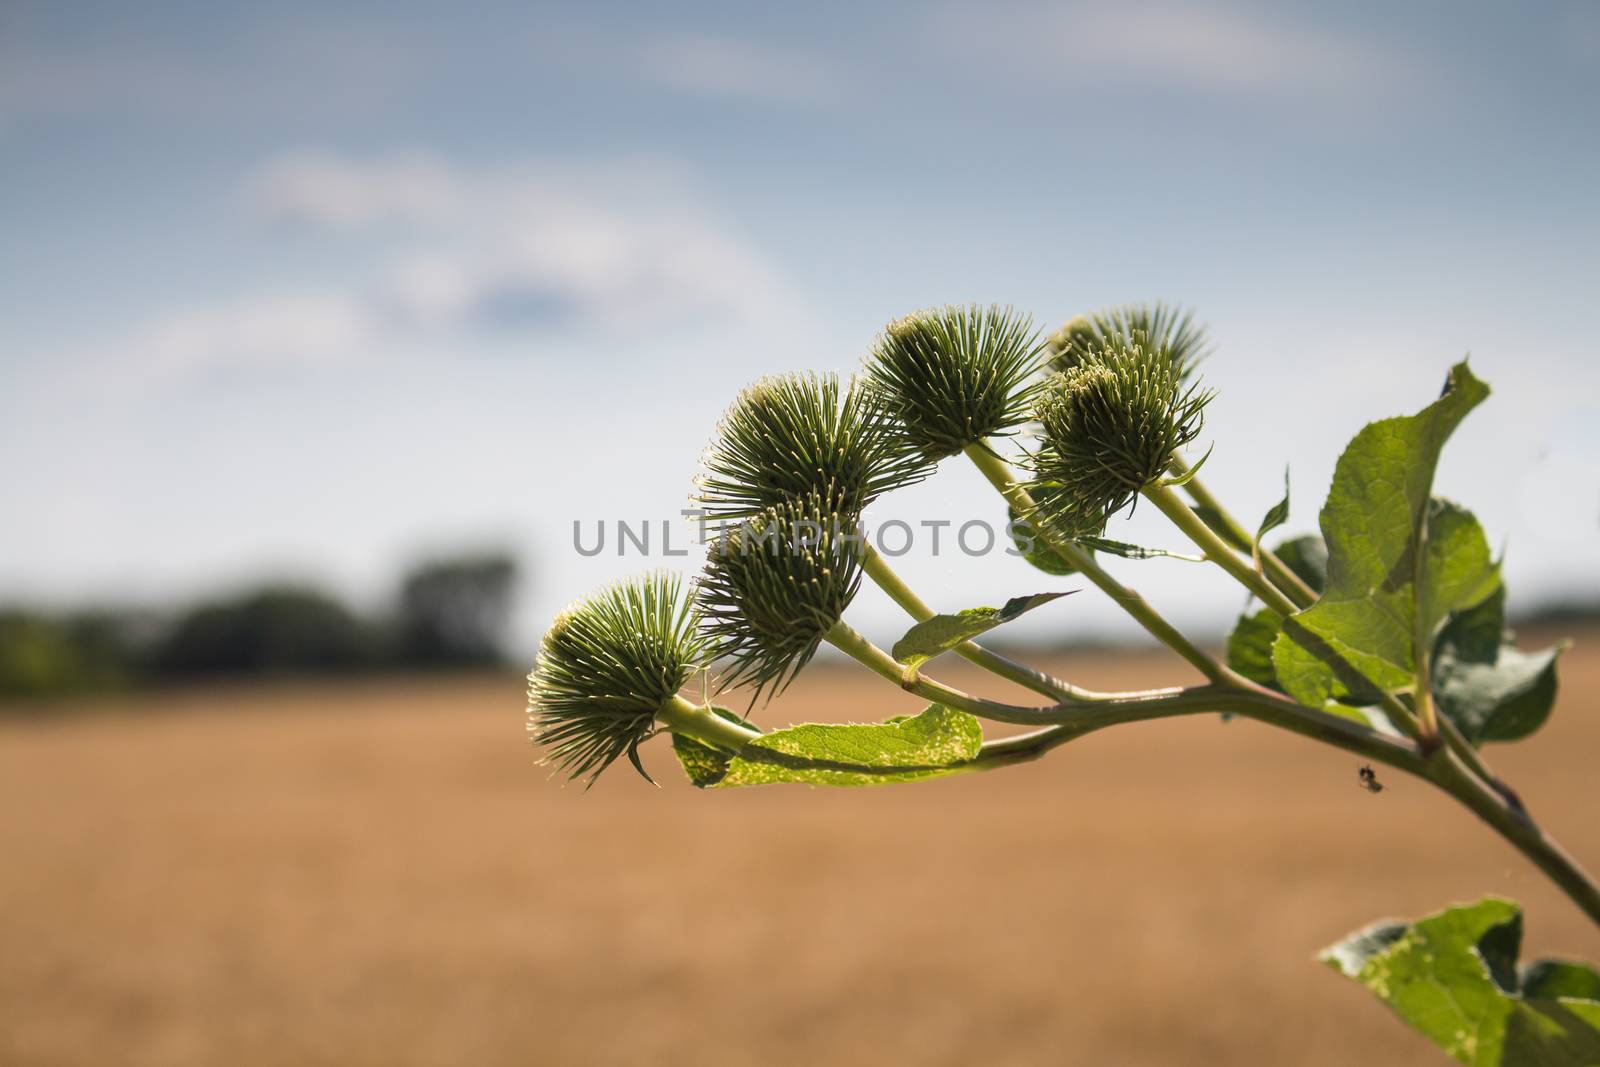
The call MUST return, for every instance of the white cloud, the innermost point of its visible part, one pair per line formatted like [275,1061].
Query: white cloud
[329,191]
[264,331]
[1178,46]
[738,67]
[454,252]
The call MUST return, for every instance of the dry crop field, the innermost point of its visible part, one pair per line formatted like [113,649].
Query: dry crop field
[376,873]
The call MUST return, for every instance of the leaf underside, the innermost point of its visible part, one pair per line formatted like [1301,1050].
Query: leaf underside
[1454,978]
[936,742]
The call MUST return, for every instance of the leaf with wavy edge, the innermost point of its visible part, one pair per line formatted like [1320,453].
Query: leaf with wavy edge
[1453,977]
[937,742]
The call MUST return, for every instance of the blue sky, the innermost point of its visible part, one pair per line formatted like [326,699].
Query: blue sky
[310,290]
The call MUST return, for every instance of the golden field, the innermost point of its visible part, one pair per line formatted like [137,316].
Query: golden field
[377,873]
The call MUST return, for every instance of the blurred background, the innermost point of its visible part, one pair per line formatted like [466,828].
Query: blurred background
[322,325]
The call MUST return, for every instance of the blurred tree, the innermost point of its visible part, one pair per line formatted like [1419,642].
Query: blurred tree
[43,655]
[283,629]
[37,656]
[455,612]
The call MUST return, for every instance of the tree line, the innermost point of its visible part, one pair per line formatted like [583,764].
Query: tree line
[446,613]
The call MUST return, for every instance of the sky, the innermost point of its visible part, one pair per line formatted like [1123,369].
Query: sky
[313,291]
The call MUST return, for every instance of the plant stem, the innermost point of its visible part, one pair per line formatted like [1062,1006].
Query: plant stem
[1423,722]
[1078,719]
[1277,570]
[1069,722]
[701,723]
[1216,549]
[999,474]
[880,572]
[1513,824]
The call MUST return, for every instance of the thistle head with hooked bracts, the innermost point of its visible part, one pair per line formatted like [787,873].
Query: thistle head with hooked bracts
[952,376]
[774,585]
[792,435]
[1109,427]
[1157,327]
[606,666]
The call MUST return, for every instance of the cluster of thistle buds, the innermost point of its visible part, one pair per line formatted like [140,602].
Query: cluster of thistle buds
[1383,635]
[1100,409]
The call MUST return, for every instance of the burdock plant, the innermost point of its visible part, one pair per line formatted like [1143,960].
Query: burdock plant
[1382,635]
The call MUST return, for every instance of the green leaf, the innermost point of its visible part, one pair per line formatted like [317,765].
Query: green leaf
[704,764]
[937,742]
[1453,977]
[1250,646]
[1492,690]
[1033,547]
[1307,556]
[1188,476]
[941,633]
[1276,515]
[1374,630]
[1399,561]
[1561,978]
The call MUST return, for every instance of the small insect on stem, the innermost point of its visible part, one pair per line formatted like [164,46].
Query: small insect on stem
[1369,779]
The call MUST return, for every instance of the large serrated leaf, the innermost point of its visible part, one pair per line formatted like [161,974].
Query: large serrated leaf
[941,633]
[1492,690]
[1399,560]
[936,742]
[1453,977]
[1374,630]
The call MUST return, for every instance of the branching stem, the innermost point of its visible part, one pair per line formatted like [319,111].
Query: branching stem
[1068,722]
[1000,476]
[1276,570]
[1242,698]
[1216,549]
[701,723]
[883,575]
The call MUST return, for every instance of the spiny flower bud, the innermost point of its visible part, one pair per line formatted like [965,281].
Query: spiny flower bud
[1109,427]
[1157,327]
[606,666]
[787,436]
[953,376]
[774,585]
[1077,334]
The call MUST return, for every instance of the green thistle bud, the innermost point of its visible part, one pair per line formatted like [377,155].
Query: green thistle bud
[1109,427]
[1157,327]
[1077,334]
[953,376]
[606,666]
[774,585]
[785,437]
